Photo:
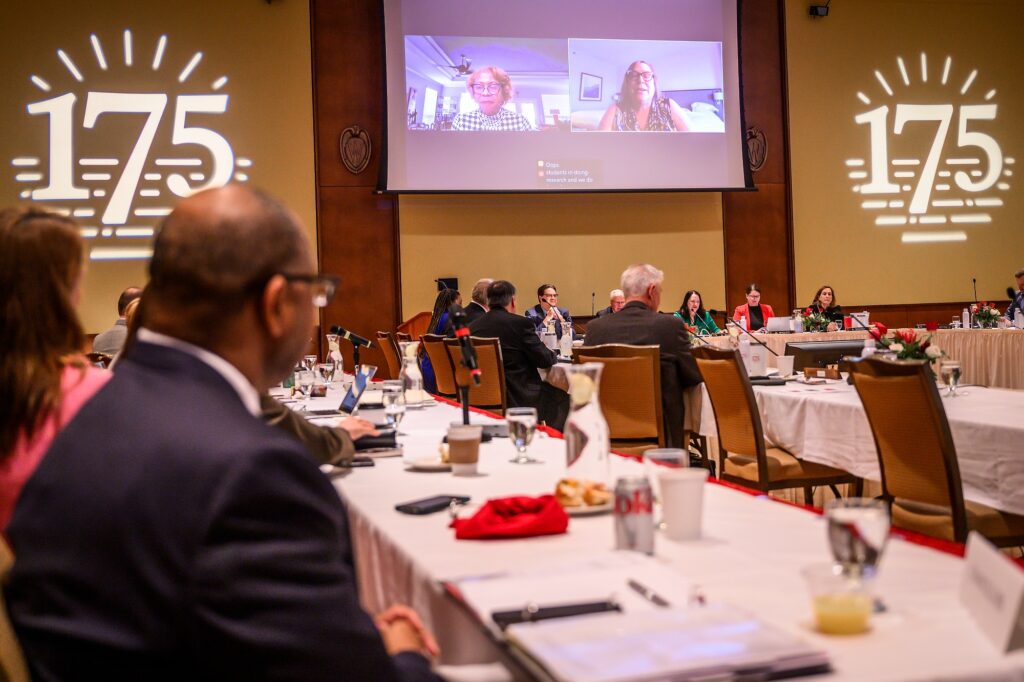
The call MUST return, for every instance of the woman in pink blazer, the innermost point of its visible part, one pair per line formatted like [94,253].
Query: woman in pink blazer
[753,311]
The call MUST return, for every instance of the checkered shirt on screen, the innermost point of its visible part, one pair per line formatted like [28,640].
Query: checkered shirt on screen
[503,120]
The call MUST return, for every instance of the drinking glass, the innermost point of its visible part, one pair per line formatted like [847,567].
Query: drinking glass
[522,423]
[858,528]
[955,324]
[949,370]
[304,382]
[309,362]
[326,370]
[394,406]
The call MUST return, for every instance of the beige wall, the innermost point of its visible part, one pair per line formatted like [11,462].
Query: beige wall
[830,60]
[264,51]
[580,243]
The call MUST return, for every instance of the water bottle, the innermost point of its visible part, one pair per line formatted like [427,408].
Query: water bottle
[743,323]
[965,318]
[1018,319]
[565,343]
[869,348]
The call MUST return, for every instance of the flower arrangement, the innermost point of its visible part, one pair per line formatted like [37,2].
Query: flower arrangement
[691,332]
[815,321]
[985,314]
[906,343]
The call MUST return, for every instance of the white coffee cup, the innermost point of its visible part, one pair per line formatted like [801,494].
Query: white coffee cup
[784,363]
[682,502]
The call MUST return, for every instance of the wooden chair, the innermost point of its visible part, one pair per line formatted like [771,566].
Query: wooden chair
[12,660]
[416,325]
[746,459]
[444,374]
[403,336]
[920,472]
[490,394]
[389,349]
[630,394]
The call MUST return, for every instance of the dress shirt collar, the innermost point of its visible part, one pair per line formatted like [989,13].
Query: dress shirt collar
[249,396]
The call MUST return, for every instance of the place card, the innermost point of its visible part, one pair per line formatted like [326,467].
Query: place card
[822,373]
[992,591]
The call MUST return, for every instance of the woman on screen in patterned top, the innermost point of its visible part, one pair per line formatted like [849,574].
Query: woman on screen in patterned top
[641,107]
[491,88]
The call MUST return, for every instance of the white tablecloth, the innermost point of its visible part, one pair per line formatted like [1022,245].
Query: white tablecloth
[750,555]
[827,424]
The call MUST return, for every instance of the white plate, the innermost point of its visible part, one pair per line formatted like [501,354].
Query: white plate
[427,465]
[590,510]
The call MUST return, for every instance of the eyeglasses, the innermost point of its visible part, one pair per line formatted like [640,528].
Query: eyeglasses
[549,295]
[489,88]
[646,76]
[323,286]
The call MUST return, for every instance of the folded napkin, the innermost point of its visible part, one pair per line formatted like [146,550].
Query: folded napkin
[514,517]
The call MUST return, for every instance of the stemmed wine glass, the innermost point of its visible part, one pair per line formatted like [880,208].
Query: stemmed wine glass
[304,382]
[309,362]
[949,370]
[326,370]
[858,529]
[522,423]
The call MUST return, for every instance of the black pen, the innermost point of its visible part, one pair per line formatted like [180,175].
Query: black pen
[648,594]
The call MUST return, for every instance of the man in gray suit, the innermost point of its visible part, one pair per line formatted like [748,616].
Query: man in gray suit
[111,340]
[639,323]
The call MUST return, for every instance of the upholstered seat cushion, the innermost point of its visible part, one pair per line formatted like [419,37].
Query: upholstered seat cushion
[633,447]
[937,521]
[782,466]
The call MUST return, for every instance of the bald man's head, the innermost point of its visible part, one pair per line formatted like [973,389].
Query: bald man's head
[216,251]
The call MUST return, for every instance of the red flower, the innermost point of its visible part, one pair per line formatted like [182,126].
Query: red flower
[906,336]
[882,329]
[807,311]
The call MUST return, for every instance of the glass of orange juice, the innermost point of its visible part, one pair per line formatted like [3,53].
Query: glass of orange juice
[842,602]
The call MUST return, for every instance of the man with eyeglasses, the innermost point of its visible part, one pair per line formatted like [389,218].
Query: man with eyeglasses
[169,533]
[547,312]
[491,88]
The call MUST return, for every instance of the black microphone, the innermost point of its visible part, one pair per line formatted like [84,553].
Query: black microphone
[1010,293]
[756,340]
[351,336]
[593,306]
[458,318]
[974,280]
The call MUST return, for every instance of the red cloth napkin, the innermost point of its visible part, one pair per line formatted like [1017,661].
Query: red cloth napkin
[514,517]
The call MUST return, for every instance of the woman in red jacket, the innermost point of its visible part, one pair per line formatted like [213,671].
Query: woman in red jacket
[755,312]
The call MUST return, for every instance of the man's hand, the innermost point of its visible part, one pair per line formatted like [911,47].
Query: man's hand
[357,428]
[402,630]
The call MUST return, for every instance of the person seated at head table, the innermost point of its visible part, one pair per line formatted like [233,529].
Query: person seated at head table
[44,378]
[641,107]
[547,311]
[491,88]
[756,313]
[231,552]
[616,299]
[825,304]
[439,324]
[110,341]
[1017,302]
[693,314]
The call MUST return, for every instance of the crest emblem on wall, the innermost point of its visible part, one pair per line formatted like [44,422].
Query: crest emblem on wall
[757,148]
[355,149]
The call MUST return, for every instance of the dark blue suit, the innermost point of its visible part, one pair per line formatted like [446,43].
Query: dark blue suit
[169,535]
[1016,304]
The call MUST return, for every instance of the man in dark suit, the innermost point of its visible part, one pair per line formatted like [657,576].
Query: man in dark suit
[616,299]
[478,305]
[169,534]
[639,323]
[522,354]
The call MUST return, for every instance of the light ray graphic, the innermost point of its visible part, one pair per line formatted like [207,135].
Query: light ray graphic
[187,71]
[885,85]
[967,83]
[945,70]
[40,83]
[71,65]
[903,70]
[127,47]
[219,83]
[98,49]
[863,98]
[158,56]
[924,67]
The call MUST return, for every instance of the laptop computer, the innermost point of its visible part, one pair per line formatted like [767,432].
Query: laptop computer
[778,325]
[350,403]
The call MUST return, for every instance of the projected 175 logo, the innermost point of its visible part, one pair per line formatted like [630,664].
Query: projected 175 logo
[119,200]
[936,190]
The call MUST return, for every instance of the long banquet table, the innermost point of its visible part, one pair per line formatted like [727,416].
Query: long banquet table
[751,553]
[989,357]
[826,424]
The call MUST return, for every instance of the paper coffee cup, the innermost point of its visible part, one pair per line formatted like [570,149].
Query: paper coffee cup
[464,448]
[784,363]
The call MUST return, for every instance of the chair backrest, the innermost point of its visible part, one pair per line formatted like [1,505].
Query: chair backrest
[490,394]
[403,336]
[630,389]
[444,374]
[416,325]
[389,348]
[732,401]
[12,660]
[915,448]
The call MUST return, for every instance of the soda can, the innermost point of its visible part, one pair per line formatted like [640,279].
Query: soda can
[634,514]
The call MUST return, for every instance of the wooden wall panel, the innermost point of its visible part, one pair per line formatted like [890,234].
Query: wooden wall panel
[757,225]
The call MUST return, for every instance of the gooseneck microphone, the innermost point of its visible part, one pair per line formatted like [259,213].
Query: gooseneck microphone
[458,318]
[351,336]
[593,305]
[974,281]
[1010,293]
[736,324]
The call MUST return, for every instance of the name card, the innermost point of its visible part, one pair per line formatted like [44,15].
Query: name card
[992,591]
[822,373]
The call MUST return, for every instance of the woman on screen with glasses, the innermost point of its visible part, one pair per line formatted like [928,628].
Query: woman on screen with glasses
[44,377]
[641,107]
[491,88]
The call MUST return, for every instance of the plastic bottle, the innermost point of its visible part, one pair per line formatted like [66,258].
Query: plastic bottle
[743,322]
[1018,319]
[965,318]
[869,348]
[565,343]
